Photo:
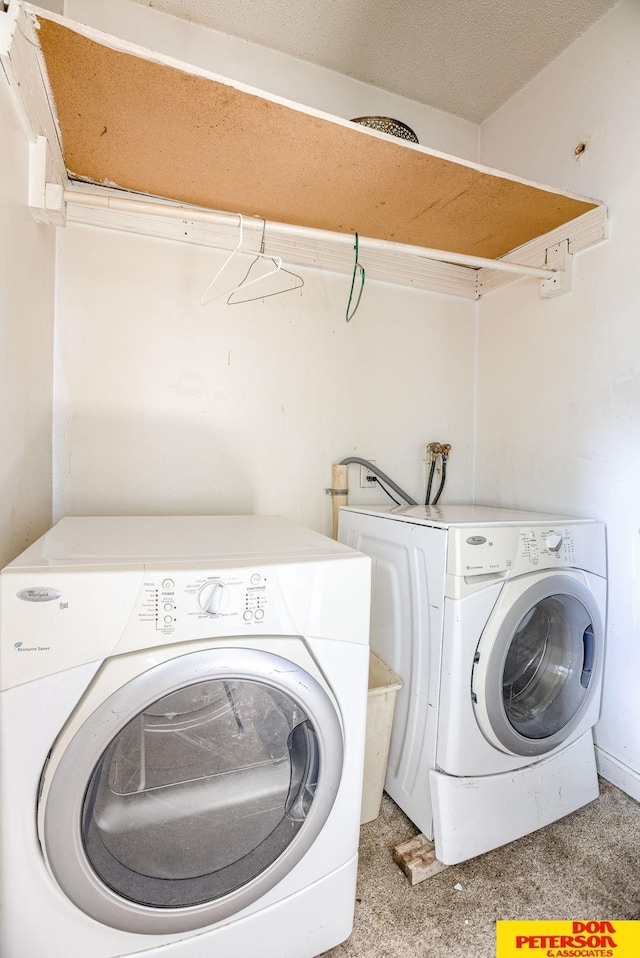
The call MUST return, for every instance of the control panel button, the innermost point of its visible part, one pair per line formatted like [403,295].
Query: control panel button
[256,578]
[247,616]
[554,541]
[168,607]
[213,597]
[168,584]
[259,614]
[168,619]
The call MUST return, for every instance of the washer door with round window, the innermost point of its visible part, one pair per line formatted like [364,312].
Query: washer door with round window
[538,666]
[192,790]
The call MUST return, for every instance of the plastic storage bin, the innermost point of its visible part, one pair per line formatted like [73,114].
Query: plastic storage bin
[381,702]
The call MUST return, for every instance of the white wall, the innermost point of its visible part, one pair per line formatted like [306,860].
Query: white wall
[558,413]
[165,406]
[274,72]
[26,321]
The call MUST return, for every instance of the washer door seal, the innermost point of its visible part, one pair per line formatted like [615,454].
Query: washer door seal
[192,790]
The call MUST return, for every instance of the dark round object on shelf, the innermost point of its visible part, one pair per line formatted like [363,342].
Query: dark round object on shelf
[386,124]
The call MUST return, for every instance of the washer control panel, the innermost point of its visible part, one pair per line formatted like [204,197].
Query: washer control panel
[537,545]
[515,550]
[233,600]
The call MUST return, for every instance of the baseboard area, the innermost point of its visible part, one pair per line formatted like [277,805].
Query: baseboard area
[624,777]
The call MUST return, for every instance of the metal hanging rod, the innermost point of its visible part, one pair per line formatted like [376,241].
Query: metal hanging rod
[215,218]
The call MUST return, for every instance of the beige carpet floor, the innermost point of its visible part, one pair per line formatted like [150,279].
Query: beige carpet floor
[584,867]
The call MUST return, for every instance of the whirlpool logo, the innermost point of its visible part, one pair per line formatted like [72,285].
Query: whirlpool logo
[42,594]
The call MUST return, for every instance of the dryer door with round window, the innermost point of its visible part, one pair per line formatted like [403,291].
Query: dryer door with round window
[193,790]
[535,677]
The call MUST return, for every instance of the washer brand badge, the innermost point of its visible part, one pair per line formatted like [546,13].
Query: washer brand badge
[568,939]
[476,540]
[43,594]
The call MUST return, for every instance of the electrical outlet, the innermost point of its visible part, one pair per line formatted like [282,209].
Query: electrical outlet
[367,478]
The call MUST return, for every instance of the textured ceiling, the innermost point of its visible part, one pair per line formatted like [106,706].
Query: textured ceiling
[463,56]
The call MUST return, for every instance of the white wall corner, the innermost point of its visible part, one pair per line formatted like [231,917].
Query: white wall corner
[26,343]
[613,770]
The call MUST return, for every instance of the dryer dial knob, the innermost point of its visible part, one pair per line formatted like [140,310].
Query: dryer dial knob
[213,598]
[554,541]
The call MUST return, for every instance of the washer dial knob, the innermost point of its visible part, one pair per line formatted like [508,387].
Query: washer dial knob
[213,597]
[554,541]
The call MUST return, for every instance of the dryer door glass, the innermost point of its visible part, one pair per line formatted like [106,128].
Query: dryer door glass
[200,792]
[191,790]
[546,671]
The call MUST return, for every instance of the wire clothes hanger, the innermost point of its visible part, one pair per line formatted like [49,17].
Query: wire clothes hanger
[357,266]
[203,299]
[277,267]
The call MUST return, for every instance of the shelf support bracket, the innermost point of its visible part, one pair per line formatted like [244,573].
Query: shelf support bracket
[559,259]
[46,196]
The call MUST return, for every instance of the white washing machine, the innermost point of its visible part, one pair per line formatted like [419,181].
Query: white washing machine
[494,620]
[182,714]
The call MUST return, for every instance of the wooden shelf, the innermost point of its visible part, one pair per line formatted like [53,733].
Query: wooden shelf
[145,123]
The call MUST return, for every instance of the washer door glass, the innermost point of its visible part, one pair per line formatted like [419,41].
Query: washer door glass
[191,790]
[536,666]
[548,666]
[200,792]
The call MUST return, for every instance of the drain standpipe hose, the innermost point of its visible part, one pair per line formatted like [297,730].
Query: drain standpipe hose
[381,475]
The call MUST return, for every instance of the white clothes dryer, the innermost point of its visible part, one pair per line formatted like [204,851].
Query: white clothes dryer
[494,619]
[182,713]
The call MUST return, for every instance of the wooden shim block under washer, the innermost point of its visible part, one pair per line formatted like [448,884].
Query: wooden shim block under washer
[417,859]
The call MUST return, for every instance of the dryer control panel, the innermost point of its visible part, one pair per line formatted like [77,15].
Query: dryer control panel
[229,601]
[515,550]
